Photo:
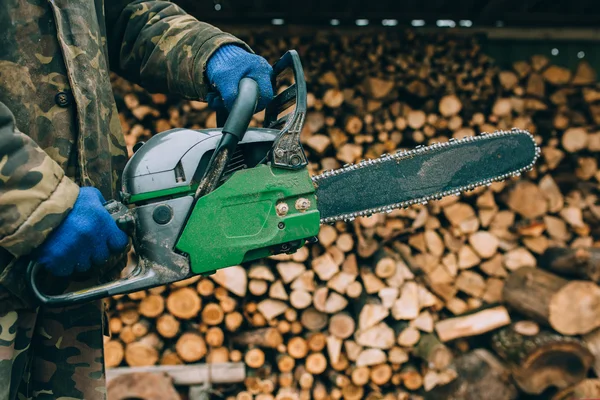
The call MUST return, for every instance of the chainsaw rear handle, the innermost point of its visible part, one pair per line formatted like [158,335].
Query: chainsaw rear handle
[140,278]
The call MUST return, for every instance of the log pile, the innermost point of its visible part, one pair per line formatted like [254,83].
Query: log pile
[493,294]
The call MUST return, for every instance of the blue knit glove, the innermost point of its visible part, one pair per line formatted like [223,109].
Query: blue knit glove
[86,237]
[226,68]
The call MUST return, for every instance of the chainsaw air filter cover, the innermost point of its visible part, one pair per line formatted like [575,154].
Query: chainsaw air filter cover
[173,162]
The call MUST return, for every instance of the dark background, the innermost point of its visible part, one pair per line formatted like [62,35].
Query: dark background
[510,30]
[523,13]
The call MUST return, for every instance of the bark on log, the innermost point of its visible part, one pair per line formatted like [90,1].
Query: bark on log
[580,262]
[542,360]
[480,376]
[569,307]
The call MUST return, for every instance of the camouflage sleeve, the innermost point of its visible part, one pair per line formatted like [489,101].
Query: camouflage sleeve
[35,194]
[162,48]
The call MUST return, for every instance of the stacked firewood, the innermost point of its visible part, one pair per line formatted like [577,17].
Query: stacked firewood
[493,294]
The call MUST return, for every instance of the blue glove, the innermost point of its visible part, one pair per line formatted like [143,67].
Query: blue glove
[226,68]
[86,237]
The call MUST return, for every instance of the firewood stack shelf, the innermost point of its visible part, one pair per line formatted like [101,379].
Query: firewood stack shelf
[493,294]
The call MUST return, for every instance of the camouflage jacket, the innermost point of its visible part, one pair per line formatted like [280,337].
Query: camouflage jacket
[59,125]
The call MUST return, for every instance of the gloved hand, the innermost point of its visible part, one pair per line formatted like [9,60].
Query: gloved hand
[86,237]
[226,68]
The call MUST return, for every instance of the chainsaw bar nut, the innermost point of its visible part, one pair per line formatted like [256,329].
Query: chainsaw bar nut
[282,209]
[302,204]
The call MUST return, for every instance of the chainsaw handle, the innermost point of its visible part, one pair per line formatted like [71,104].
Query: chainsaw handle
[243,108]
[140,278]
[233,132]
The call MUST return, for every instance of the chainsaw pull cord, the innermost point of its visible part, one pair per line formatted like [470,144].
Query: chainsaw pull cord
[233,131]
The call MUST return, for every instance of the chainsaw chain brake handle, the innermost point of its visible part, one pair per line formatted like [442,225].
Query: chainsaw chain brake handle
[287,150]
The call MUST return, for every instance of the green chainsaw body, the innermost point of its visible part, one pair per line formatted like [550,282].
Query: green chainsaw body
[240,222]
[257,210]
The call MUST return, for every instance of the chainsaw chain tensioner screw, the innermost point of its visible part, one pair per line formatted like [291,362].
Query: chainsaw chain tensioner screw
[302,204]
[282,209]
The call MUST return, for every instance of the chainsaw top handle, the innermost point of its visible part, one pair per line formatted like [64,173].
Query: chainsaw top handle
[233,132]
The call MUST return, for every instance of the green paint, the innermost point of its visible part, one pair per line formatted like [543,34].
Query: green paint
[180,190]
[238,222]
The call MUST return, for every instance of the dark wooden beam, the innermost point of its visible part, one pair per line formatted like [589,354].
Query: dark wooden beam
[518,13]
[495,10]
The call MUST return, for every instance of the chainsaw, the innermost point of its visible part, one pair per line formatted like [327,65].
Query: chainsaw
[196,201]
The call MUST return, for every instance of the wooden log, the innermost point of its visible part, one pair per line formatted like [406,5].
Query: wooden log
[569,307]
[411,377]
[316,363]
[254,358]
[191,347]
[527,199]
[542,360]
[377,88]
[215,337]
[381,374]
[152,306]
[316,341]
[450,105]
[341,325]
[114,352]
[580,262]
[313,320]
[484,243]
[586,389]
[473,324]
[184,303]
[480,375]
[190,374]
[140,354]
[205,287]
[233,279]
[233,321]
[142,385]
[167,326]
[265,337]
[297,347]
[437,355]
[212,314]
[408,337]
[574,139]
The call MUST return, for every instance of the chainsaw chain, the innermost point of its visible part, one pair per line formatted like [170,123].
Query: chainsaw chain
[419,150]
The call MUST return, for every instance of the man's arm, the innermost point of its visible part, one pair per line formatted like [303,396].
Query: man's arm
[35,194]
[159,46]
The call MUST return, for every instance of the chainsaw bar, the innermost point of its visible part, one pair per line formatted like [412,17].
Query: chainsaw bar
[426,173]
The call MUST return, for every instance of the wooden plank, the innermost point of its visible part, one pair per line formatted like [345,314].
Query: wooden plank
[190,374]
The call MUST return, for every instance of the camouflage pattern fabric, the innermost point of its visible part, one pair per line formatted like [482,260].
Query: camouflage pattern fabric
[52,354]
[59,130]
